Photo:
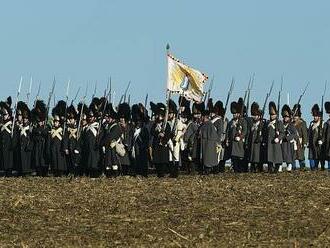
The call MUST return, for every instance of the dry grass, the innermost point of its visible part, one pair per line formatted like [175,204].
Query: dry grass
[223,210]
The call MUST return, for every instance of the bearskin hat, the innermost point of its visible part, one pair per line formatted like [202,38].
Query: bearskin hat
[316,110]
[5,109]
[111,112]
[23,109]
[272,108]
[286,111]
[218,108]
[183,102]
[39,111]
[210,105]
[297,110]
[172,108]
[327,107]
[139,113]
[255,111]
[153,107]
[72,112]
[198,108]
[234,108]
[58,111]
[124,111]
[241,106]
[84,109]
[161,109]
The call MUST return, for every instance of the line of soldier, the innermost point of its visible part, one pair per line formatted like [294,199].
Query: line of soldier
[102,139]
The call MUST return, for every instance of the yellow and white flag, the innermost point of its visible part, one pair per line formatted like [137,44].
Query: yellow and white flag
[185,80]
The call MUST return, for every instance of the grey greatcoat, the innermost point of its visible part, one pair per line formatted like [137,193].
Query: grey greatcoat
[301,139]
[209,144]
[254,143]
[326,140]
[315,150]
[220,125]
[274,129]
[236,128]
[190,138]
[288,143]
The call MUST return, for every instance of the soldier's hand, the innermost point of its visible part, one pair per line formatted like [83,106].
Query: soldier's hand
[320,142]
[161,135]
[66,151]
[276,140]
[237,138]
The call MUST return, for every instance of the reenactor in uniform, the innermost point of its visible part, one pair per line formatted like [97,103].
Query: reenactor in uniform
[302,136]
[140,141]
[254,140]
[273,135]
[236,135]
[6,149]
[39,138]
[220,124]
[210,143]
[124,113]
[72,145]
[289,145]
[315,139]
[24,142]
[191,138]
[161,134]
[90,141]
[55,145]
[326,135]
[174,143]
[82,112]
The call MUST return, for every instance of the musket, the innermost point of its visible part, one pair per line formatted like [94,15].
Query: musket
[266,100]
[129,83]
[104,107]
[29,93]
[208,94]
[320,133]
[168,97]
[72,101]
[300,97]
[81,113]
[49,99]
[37,96]
[129,99]
[279,95]
[94,93]
[249,93]
[110,90]
[15,109]
[146,101]
[230,91]
[66,106]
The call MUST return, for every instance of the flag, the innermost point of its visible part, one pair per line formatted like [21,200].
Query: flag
[185,80]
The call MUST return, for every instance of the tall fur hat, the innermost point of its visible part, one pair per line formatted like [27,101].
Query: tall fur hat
[272,110]
[39,111]
[218,108]
[316,110]
[124,111]
[71,112]
[286,111]
[172,108]
[183,102]
[111,112]
[255,109]
[327,107]
[161,109]
[198,108]
[58,111]
[234,107]
[297,110]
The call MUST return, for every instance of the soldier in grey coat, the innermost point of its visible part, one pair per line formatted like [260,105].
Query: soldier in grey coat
[326,135]
[220,123]
[254,140]
[315,139]
[209,144]
[289,139]
[274,132]
[236,135]
[302,136]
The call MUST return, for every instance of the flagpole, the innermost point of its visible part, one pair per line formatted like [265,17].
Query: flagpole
[168,92]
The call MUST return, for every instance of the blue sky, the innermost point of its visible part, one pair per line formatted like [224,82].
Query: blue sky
[89,41]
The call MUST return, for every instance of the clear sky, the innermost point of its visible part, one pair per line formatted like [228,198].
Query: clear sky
[89,41]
